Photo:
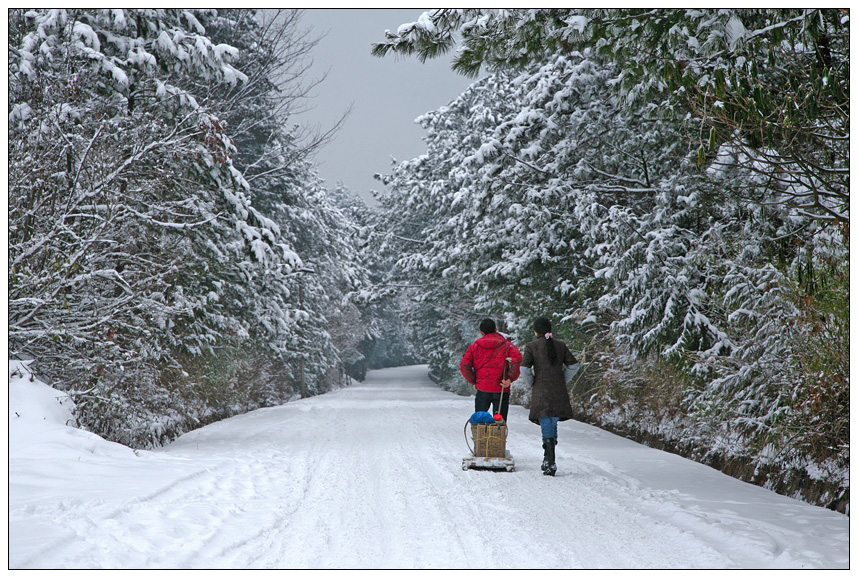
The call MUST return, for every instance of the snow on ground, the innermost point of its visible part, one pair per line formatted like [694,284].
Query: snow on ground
[370,477]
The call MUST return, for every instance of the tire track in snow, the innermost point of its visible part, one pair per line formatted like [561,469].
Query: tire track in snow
[263,507]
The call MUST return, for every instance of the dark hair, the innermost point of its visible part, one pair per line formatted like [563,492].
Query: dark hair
[488,326]
[542,326]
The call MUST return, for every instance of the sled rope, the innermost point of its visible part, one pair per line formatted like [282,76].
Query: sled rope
[473,451]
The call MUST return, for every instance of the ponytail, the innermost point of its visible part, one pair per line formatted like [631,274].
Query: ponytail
[542,326]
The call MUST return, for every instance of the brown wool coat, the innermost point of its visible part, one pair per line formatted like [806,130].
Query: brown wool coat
[550,397]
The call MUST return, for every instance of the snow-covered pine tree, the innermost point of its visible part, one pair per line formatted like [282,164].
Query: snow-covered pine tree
[772,81]
[281,360]
[131,233]
[379,336]
[322,225]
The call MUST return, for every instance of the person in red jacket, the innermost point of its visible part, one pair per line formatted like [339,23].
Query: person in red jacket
[482,366]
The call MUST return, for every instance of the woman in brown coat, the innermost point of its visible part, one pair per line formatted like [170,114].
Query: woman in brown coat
[547,366]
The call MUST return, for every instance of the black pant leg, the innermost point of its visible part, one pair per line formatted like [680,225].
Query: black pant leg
[482,401]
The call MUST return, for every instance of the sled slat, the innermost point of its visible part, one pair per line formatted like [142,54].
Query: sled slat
[483,463]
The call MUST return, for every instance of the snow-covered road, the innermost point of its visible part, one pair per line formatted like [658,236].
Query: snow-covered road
[370,477]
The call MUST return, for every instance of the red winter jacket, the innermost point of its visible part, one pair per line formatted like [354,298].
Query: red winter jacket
[482,364]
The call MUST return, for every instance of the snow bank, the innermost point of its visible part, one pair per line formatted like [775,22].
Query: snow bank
[42,422]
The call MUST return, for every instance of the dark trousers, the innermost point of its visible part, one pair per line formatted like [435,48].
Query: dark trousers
[484,399]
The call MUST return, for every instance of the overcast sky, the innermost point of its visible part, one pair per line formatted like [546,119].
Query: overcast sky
[386,94]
